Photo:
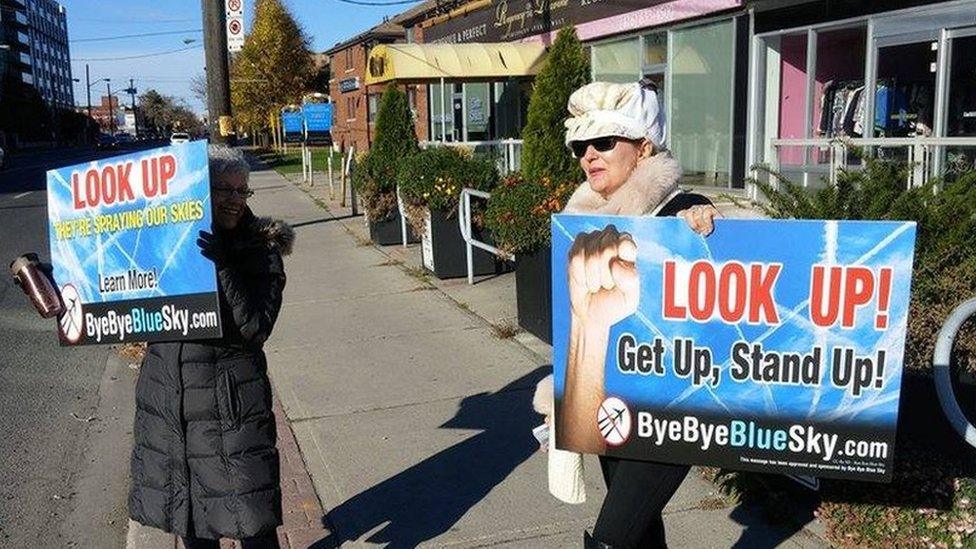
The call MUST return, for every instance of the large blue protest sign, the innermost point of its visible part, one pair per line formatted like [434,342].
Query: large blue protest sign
[123,236]
[774,346]
[292,122]
[318,122]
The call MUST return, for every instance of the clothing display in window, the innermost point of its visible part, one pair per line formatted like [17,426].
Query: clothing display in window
[899,109]
[902,108]
[842,109]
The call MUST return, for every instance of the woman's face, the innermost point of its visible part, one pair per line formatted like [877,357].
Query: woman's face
[229,195]
[606,171]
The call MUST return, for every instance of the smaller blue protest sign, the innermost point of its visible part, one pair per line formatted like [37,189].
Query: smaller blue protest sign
[774,346]
[293,124]
[318,122]
[123,246]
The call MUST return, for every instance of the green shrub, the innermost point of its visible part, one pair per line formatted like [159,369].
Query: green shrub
[434,177]
[518,212]
[375,175]
[567,68]
[929,502]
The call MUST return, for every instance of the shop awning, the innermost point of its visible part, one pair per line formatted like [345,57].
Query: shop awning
[429,62]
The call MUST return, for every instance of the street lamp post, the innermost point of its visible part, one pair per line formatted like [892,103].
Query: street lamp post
[89,85]
[111,111]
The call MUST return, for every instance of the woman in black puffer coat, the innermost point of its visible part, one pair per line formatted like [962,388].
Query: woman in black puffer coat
[204,465]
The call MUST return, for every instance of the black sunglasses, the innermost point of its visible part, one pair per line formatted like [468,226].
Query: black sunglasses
[243,193]
[601,144]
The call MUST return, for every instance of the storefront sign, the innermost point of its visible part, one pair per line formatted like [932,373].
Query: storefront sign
[123,236]
[510,20]
[347,85]
[742,350]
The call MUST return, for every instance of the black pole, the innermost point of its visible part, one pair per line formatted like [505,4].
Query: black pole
[218,77]
[135,115]
[88,87]
[111,110]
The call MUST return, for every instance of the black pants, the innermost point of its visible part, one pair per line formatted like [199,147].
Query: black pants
[637,492]
[269,541]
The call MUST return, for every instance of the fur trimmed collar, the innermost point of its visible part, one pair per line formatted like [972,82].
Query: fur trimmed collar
[261,231]
[650,185]
[278,234]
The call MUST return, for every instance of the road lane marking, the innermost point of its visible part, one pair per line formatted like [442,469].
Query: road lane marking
[22,195]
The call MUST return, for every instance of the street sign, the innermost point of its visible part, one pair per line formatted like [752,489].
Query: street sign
[318,122]
[235,25]
[292,121]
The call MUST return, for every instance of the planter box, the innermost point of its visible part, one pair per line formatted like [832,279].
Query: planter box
[386,232]
[923,424]
[533,292]
[444,253]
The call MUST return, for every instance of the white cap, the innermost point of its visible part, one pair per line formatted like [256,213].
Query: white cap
[602,109]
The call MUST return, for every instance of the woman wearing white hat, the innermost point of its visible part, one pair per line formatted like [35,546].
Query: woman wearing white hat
[617,133]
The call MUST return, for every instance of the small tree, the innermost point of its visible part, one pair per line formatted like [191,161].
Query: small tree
[273,67]
[395,136]
[544,154]
[375,176]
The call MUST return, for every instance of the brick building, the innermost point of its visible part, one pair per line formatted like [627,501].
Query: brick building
[356,104]
[109,114]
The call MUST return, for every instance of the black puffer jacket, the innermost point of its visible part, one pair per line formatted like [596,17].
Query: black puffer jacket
[204,429]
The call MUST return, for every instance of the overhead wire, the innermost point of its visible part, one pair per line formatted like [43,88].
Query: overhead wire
[141,56]
[125,36]
[378,4]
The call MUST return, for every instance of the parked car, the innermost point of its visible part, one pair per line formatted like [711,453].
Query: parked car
[105,142]
[179,137]
[124,140]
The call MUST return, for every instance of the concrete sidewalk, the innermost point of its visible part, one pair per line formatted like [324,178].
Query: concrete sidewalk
[414,416]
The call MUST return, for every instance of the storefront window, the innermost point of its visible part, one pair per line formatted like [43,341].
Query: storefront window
[509,109]
[477,111]
[792,95]
[905,95]
[701,66]
[435,93]
[961,115]
[839,100]
[373,106]
[655,51]
[656,62]
[618,61]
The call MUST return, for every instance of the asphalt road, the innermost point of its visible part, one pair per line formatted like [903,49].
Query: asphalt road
[67,413]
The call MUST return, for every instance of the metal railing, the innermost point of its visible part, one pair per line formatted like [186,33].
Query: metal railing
[403,218]
[464,223]
[825,158]
[943,374]
[506,153]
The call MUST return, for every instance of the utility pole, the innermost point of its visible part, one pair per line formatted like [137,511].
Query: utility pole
[221,124]
[111,109]
[88,87]
[135,115]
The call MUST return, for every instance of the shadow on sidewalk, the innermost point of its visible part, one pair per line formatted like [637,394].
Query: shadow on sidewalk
[427,499]
[770,523]
[324,220]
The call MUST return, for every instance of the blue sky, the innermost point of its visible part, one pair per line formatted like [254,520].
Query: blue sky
[325,21]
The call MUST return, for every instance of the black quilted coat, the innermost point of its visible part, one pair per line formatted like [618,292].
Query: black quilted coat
[204,462]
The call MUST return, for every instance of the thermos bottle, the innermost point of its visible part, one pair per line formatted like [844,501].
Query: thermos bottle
[34,281]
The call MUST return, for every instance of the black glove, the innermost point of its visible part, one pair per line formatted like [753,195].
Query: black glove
[213,247]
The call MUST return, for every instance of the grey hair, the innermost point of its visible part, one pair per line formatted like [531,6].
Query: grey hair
[226,160]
